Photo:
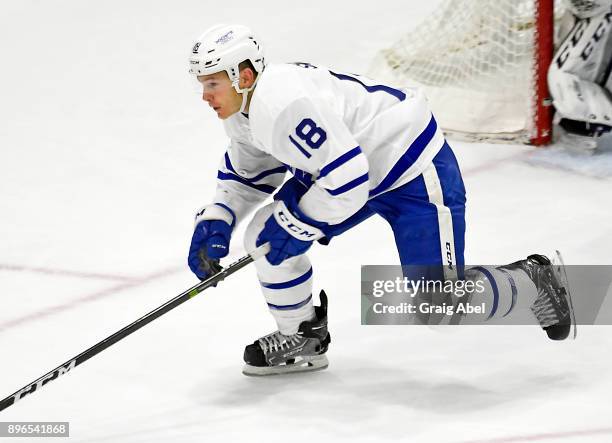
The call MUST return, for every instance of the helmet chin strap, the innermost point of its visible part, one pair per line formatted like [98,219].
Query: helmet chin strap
[245,96]
[244,92]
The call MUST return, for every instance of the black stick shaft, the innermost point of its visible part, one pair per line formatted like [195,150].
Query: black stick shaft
[121,334]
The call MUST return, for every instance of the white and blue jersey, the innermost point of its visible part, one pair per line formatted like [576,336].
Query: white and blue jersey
[344,136]
[360,149]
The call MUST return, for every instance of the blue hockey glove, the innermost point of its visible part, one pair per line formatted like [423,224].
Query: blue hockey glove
[209,243]
[293,189]
[289,232]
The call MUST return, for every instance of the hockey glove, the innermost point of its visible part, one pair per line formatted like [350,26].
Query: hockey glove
[289,231]
[210,242]
[294,189]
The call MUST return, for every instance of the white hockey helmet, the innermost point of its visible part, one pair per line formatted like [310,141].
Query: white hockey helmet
[223,48]
[588,8]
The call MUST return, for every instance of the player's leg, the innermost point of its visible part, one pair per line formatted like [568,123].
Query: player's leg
[302,338]
[427,216]
[287,287]
[428,219]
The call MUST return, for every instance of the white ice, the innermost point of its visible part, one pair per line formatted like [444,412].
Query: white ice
[105,154]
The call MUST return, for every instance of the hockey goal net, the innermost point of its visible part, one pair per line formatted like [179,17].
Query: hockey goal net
[483,64]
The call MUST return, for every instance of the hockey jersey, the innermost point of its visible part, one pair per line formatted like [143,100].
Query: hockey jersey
[345,137]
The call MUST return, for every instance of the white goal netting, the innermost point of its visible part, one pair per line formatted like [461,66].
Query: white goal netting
[476,60]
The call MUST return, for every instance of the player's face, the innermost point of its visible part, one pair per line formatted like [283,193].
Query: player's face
[218,92]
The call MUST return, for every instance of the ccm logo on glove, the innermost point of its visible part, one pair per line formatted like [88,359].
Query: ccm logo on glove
[294,226]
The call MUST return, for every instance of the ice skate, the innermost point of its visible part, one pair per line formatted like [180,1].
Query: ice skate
[553,305]
[304,351]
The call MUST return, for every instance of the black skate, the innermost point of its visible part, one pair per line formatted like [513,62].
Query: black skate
[281,354]
[553,306]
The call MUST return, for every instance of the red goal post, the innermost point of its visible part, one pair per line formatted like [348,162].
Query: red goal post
[543,55]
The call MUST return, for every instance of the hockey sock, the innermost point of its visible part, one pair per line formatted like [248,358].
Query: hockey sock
[288,320]
[507,296]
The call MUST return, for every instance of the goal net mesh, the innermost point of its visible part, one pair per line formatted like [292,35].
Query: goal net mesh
[476,61]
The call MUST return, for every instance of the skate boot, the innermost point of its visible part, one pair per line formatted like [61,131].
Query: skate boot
[553,305]
[280,354]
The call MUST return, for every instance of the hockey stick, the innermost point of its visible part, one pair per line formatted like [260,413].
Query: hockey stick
[111,340]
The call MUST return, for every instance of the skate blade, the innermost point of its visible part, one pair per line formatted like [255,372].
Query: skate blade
[307,364]
[559,268]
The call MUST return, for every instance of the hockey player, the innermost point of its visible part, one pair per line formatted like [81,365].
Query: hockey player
[579,77]
[354,148]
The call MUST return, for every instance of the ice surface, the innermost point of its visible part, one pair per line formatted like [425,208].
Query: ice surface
[105,154]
